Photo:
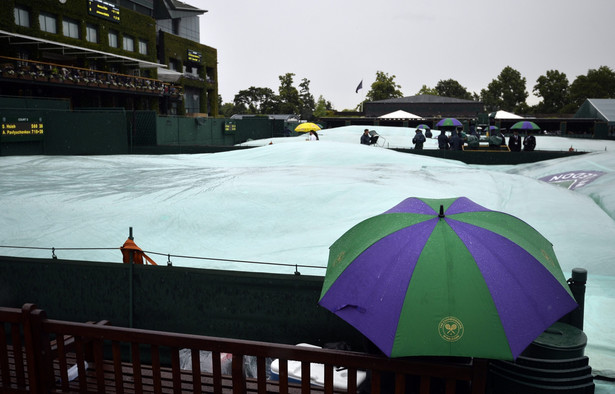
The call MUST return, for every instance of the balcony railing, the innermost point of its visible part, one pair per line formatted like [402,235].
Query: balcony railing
[62,74]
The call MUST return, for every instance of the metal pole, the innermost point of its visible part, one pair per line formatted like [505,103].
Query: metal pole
[130,282]
[577,287]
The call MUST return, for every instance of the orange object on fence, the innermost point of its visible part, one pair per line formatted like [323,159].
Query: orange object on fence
[137,254]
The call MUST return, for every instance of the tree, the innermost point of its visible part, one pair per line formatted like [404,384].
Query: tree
[384,87]
[507,92]
[288,95]
[322,107]
[255,101]
[452,88]
[426,90]
[553,88]
[306,100]
[598,83]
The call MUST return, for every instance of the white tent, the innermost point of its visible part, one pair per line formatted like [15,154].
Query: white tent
[504,115]
[399,114]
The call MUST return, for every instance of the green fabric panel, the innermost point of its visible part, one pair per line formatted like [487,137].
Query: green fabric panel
[447,283]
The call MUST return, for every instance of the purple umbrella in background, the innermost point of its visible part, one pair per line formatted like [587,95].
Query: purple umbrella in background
[525,125]
[449,122]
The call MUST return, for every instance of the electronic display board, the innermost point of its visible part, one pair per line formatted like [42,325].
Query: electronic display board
[22,129]
[105,10]
[194,56]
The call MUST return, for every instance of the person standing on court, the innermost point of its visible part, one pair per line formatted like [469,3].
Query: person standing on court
[529,142]
[365,138]
[418,139]
[443,142]
[514,142]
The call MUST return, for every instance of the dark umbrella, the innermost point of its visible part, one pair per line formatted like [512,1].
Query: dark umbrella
[449,122]
[525,125]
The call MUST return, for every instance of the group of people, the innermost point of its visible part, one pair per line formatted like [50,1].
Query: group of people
[456,141]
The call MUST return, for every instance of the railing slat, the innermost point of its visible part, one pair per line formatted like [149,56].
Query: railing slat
[261,374]
[156,370]
[305,377]
[99,364]
[4,355]
[63,365]
[136,366]
[117,366]
[239,381]
[328,378]
[283,376]
[80,352]
[216,368]
[196,370]
[175,371]
[18,355]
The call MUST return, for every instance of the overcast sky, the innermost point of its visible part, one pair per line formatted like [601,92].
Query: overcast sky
[336,44]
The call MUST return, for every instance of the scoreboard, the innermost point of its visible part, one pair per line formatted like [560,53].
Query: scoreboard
[22,130]
[194,56]
[104,9]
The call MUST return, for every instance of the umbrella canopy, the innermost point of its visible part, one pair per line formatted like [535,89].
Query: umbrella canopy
[399,114]
[446,277]
[449,122]
[504,115]
[494,128]
[525,125]
[307,127]
[423,127]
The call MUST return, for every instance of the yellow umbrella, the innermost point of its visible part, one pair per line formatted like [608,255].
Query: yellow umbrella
[306,127]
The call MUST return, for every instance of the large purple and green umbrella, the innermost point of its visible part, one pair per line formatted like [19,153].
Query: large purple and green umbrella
[525,125]
[449,122]
[446,277]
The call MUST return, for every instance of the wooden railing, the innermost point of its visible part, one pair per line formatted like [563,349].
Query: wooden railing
[36,353]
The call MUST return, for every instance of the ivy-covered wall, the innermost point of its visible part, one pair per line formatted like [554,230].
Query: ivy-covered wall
[176,48]
[137,26]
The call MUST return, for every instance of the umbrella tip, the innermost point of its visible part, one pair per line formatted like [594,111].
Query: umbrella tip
[441,214]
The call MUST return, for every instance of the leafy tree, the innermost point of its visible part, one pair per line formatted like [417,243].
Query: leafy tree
[553,88]
[323,107]
[255,101]
[306,100]
[227,109]
[598,83]
[426,90]
[288,95]
[507,92]
[452,88]
[384,87]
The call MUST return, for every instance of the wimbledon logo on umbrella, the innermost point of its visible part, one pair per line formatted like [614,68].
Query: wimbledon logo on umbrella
[450,329]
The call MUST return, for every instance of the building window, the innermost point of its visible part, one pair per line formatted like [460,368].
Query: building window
[48,23]
[113,41]
[91,33]
[22,17]
[129,44]
[70,28]
[143,47]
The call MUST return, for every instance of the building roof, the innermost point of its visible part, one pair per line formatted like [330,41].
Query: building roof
[424,98]
[171,9]
[599,108]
